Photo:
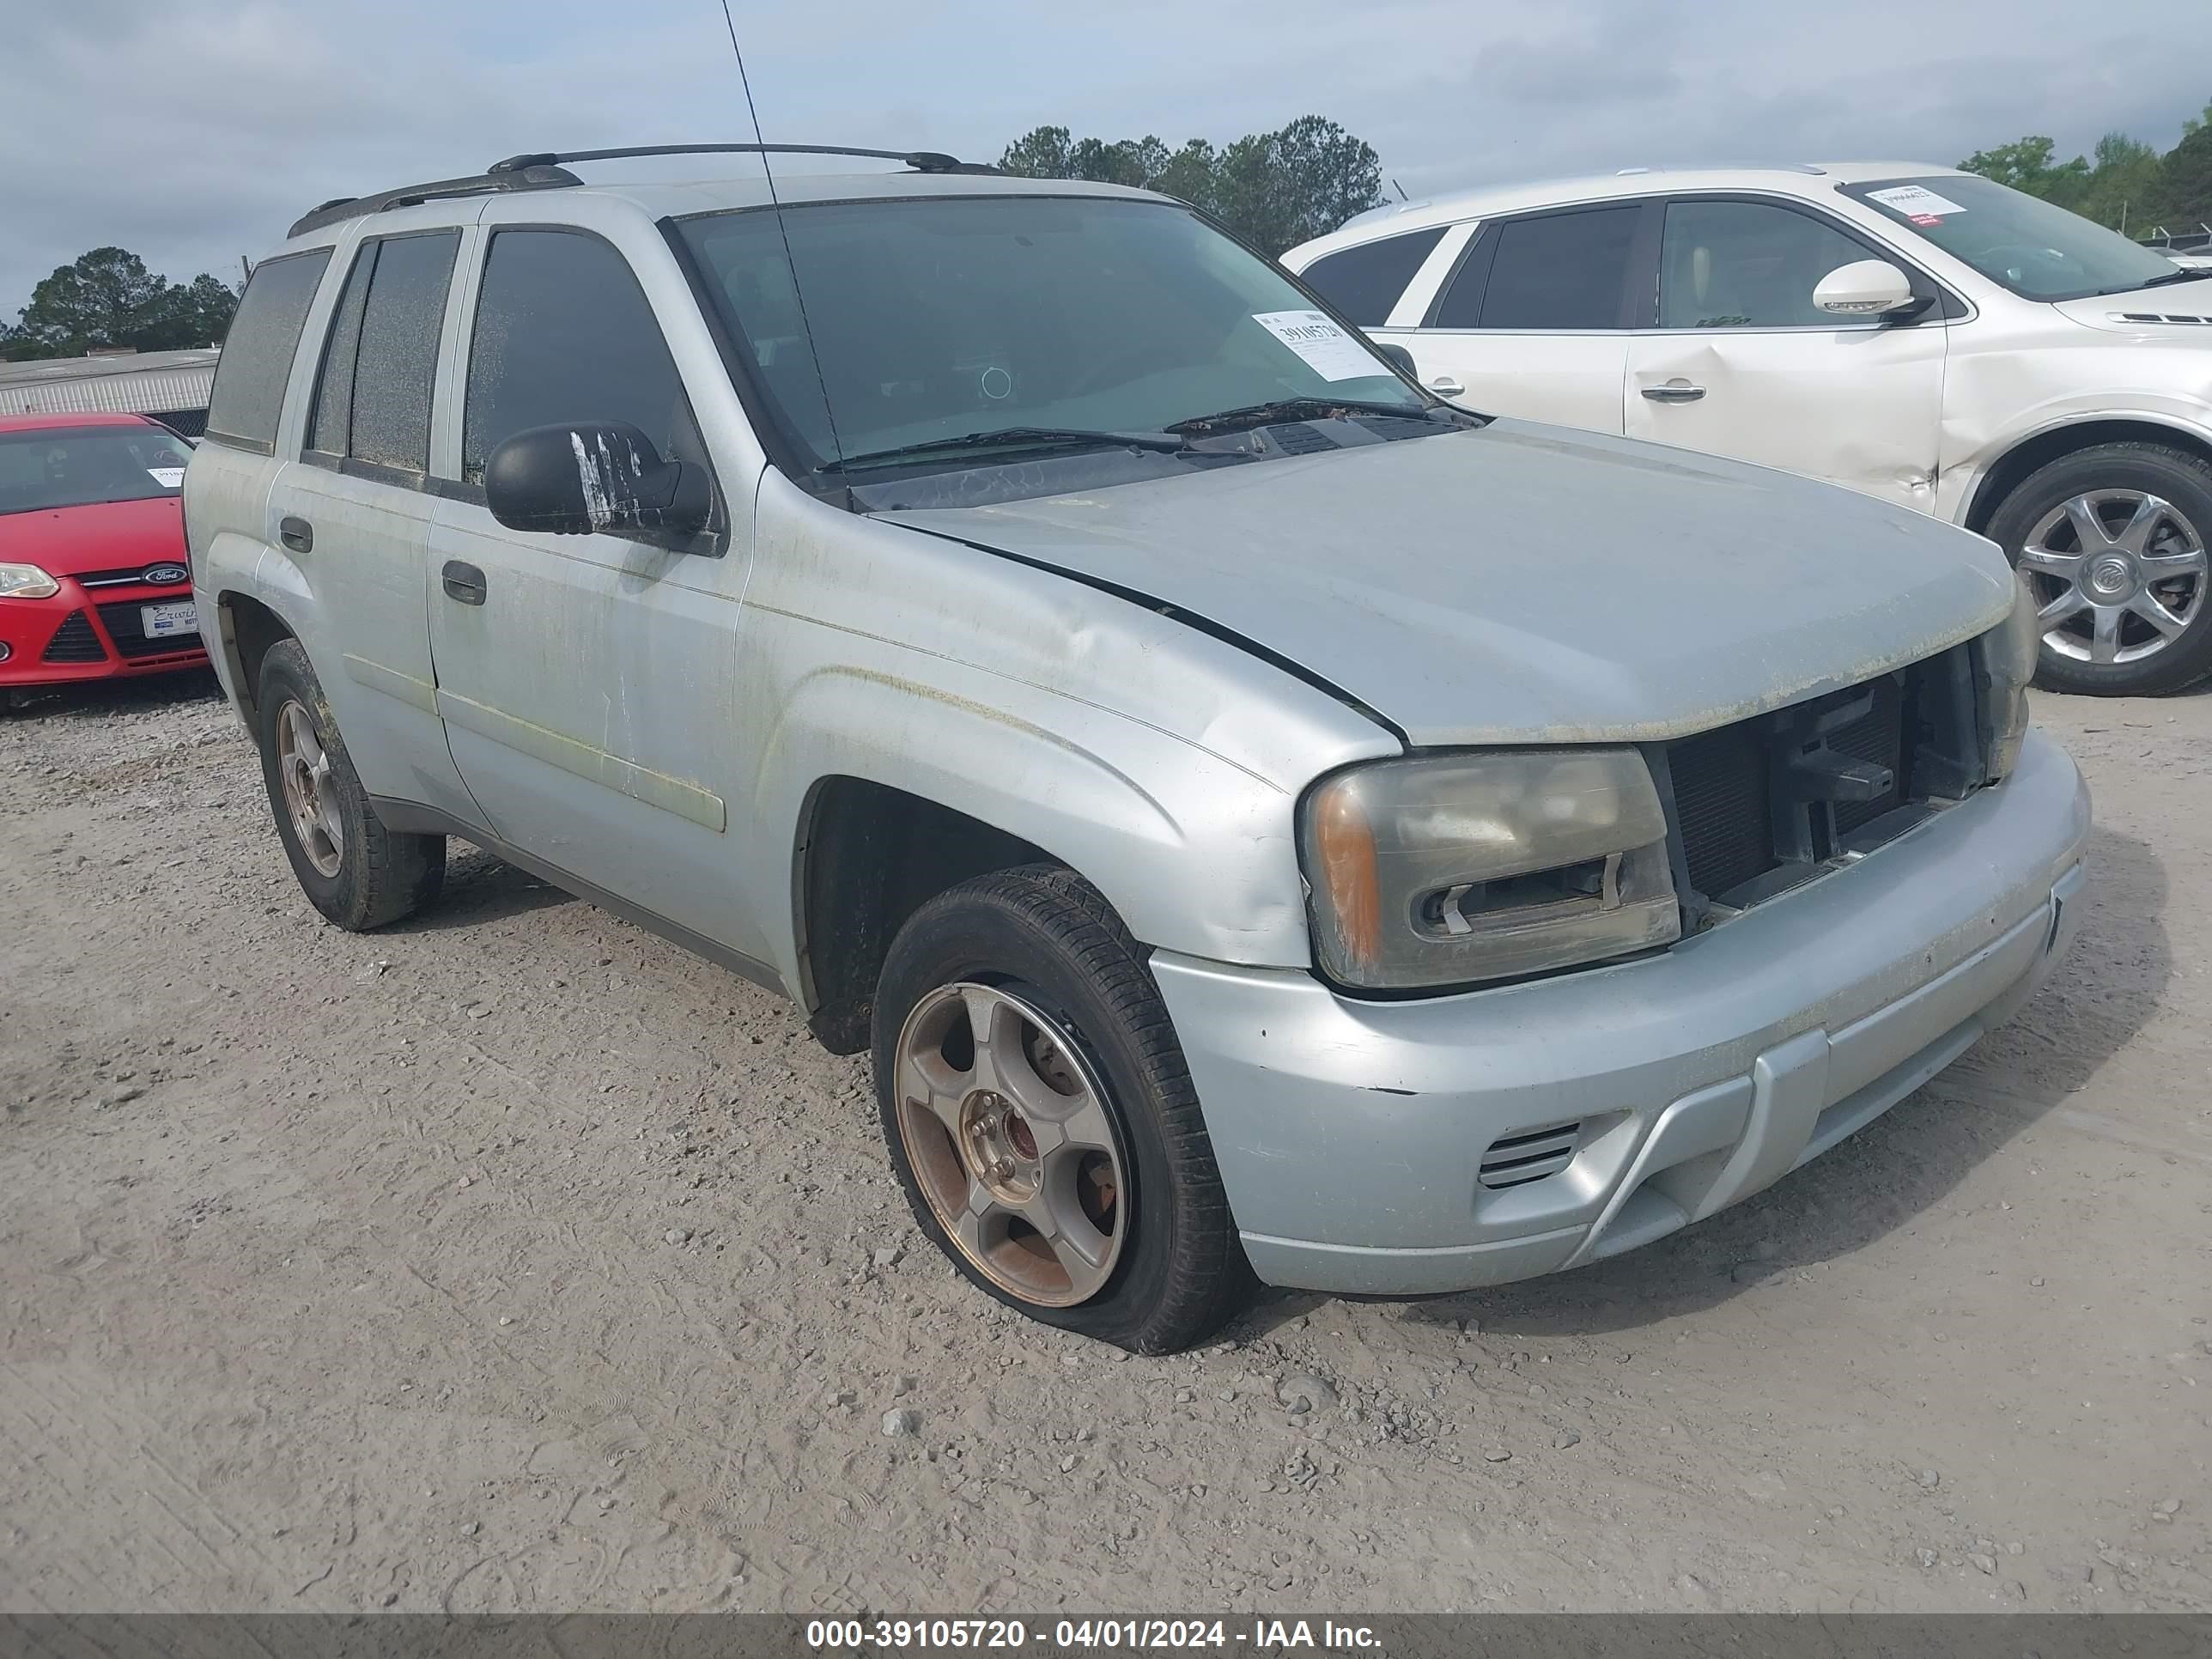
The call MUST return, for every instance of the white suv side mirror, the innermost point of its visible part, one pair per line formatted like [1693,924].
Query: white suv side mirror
[1871,287]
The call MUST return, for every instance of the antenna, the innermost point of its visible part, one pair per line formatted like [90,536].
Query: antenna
[782,230]
[1401,189]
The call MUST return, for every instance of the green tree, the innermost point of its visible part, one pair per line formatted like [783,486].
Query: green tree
[98,300]
[2123,182]
[1040,153]
[2183,198]
[108,298]
[1273,188]
[2026,164]
[194,314]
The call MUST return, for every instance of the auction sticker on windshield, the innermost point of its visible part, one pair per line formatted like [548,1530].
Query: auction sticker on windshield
[1329,351]
[169,478]
[1914,201]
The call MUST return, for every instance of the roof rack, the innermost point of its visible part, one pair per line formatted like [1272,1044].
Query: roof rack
[545,170]
[342,208]
[922,161]
[1785,167]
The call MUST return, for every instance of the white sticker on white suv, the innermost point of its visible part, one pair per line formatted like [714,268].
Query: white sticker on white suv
[1913,199]
[1329,351]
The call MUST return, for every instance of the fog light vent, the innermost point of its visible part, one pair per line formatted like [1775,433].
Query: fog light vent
[1516,1160]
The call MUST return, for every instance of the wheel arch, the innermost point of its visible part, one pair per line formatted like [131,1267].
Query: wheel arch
[246,629]
[2037,450]
[868,855]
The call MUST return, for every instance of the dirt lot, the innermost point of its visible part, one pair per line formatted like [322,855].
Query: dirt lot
[514,1259]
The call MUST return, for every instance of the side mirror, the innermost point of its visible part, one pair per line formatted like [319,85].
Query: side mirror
[576,480]
[1871,287]
[1401,356]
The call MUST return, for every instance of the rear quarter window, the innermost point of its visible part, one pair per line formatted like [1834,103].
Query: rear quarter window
[256,358]
[1366,282]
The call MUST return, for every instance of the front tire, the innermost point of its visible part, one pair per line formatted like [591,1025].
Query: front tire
[2114,540]
[358,873]
[1041,1119]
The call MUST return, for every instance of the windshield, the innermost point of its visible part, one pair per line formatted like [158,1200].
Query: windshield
[2038,250]
[934,320]
[80,466]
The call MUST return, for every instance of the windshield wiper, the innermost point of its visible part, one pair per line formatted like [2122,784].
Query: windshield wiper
[2161,280]
[1029,437]
[1297,409]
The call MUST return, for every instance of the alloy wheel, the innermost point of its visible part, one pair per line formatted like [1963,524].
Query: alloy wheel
[2118,574]
[310,794]
[1006,1129]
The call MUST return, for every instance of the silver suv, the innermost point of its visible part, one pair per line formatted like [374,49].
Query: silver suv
[1260,819]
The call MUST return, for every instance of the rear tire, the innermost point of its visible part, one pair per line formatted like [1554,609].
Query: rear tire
[358,873]
[2114,540]
[1019,1002]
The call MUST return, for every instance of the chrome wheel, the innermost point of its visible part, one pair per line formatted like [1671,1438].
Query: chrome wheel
[310,794]
[2119,574]
[1008,1135]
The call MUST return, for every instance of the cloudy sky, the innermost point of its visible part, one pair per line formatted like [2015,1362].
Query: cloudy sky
[193,131]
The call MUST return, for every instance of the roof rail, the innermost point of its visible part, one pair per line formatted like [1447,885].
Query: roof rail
[544,170]
[1785,167]
[342,208]
[922,161]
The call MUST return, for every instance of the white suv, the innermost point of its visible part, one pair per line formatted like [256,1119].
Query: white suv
[1916,332]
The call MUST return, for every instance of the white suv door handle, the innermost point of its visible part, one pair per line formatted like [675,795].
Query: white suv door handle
[1446,385]
[1676,391]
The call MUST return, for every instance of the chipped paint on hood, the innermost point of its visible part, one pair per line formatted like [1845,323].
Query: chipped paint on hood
[1529,583]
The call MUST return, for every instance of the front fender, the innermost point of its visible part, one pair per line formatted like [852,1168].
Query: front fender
[1196,854]
[1162,763]
[1996,402]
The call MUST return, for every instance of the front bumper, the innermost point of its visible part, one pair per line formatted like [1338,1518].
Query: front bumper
[82,634]
[1351,1135]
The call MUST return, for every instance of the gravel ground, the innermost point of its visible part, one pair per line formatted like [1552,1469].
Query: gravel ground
[512,1259]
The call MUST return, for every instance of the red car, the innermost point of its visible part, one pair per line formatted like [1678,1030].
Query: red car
[93,580]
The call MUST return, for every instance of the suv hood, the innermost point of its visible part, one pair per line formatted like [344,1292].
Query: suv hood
[1527,584]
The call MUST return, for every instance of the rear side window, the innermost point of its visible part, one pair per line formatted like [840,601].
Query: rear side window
[1564,270]
[564,333]
[1364,282]
[257,356]
[373,398]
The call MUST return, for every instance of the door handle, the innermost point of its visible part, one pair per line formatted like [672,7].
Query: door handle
[1447,385]
[1676,391]
[464,583]
[297,534]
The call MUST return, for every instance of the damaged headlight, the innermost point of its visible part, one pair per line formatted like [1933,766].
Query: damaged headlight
[2004,662]
[1447,869]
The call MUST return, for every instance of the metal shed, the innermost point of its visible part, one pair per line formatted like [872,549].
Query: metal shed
[171,387]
